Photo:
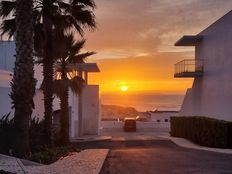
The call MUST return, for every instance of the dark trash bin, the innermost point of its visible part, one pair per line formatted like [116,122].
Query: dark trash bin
[130,124]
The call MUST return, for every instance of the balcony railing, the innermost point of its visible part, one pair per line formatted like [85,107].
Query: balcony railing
[189,68]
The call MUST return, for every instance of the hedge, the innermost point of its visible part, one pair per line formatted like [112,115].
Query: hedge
[36,138]
[6,134]
[203,131]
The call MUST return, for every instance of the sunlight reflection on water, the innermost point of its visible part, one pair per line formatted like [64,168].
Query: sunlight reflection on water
[144,102]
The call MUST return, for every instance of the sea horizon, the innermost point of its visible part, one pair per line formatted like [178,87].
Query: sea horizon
[144,101]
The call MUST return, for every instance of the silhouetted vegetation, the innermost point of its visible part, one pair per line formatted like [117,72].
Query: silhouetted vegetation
[203,131]
[48,156]
[68,55]
[39,152]
[5,172]
[50,19]
[36,130]
[6,134]
[23,82]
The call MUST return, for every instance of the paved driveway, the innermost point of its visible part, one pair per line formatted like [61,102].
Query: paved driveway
[160,157]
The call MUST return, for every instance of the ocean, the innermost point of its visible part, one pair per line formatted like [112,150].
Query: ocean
[145,102]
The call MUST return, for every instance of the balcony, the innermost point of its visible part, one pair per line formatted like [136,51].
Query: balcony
[189,68]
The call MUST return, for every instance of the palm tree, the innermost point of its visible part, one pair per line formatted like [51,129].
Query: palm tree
[70,55]
[23,83]
[51,18]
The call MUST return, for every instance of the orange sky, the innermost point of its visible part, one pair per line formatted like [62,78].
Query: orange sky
[134,41]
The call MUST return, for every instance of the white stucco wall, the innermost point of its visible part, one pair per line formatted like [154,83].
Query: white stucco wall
[141,126]
[211,95]
[5,79]
[73,102]
[7,55]
[90,109]
[162,116]
[5,102]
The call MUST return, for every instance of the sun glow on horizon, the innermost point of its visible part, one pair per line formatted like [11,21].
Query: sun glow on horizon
[124,88]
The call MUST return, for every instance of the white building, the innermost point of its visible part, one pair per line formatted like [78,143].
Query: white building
[211,92]
[7,59]
[162,117]
[89,121]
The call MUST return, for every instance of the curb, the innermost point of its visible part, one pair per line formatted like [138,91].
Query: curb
[98,170]
[190,145]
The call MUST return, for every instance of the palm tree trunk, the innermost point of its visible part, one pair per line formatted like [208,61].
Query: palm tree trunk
[80,110]
[48,74]
[64,120]
[23,83]
[80,116]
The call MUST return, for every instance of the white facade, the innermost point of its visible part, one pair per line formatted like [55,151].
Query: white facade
[7,59]
[141,126]
[90,112]
[160,120]
[163,117]
[211,94]
[7,55]
[90,95]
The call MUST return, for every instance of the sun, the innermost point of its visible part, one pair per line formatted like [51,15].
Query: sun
[124,88]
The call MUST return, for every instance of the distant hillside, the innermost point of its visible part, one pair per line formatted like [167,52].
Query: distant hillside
[118,112]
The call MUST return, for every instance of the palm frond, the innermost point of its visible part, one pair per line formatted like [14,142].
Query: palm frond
[76,47]
[59,50]
[8,27]
[80,58]
[37,15]
[87,3]
[6,7]
[69,40]
[39,39]
[66,22]
[64,5]
[60,86]
[84,17]
[76,84]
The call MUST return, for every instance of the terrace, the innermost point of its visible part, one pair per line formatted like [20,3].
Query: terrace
[189,68]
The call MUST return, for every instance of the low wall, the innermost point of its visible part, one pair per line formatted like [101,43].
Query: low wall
[141,126]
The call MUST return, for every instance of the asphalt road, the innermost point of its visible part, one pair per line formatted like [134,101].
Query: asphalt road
[159,157]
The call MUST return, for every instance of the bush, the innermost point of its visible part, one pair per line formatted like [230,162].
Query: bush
[6,134]
[36,135]
[5,172]
[203,131]
[51,155]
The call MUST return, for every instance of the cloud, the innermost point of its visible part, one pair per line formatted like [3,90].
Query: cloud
[135,39]
[151,26]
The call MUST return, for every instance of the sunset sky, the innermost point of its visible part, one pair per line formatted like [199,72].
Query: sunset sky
[134,41]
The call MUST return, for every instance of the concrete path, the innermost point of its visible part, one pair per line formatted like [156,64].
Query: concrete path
[188,144]
[160,135]
[164,157]
[11,164]
[85,162]
[157,152]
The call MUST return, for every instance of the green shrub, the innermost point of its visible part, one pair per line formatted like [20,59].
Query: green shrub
[51,155]
[6,134]
[203,131]
[36,135]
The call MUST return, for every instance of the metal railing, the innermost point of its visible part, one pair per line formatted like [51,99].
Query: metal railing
[189,66]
